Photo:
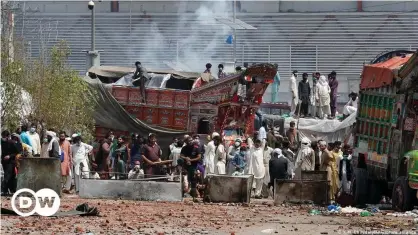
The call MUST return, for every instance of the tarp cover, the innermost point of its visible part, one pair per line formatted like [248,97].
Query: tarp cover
[110,114]
[328,130]
[117,72]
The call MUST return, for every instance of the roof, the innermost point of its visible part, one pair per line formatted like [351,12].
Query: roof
[118,71]
[381,74]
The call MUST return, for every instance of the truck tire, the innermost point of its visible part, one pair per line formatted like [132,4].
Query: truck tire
[360,187]
[402,195]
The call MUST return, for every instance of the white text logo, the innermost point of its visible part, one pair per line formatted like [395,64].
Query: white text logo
[45,202]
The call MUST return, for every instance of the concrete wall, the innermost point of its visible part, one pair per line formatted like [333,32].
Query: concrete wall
[313,186]
[222,188]
[39,173]
[131,190]
[246,6]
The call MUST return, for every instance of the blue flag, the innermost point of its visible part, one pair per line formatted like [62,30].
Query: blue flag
[230,39]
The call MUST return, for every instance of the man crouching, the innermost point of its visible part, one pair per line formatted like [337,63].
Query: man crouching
[136,172]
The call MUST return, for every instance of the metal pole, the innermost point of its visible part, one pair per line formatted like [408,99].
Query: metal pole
[316,58]
[290,58]
[243,53]
[93,31]
[177,53]
[235,33]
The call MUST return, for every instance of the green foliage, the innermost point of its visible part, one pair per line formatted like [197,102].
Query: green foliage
[12,76]
[61,98]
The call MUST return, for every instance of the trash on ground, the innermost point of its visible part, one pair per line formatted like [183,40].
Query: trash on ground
[314,212]
[350,210]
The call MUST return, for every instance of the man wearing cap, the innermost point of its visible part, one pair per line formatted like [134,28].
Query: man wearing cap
[278,167]
[333,84]
[232,151]
[293,89]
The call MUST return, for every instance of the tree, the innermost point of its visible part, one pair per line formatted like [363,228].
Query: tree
[61,99]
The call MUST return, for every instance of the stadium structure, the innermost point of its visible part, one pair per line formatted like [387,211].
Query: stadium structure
[307,36]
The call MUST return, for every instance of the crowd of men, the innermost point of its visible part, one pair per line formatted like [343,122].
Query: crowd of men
[71,151]
[266,156]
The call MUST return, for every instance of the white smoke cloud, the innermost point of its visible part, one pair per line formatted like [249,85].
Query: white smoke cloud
[196,40]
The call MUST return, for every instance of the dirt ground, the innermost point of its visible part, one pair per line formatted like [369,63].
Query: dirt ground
[259,217]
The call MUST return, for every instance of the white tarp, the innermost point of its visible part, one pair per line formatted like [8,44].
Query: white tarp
[157,81]
[316,129]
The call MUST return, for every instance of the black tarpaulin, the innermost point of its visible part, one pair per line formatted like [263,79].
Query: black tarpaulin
[110,114]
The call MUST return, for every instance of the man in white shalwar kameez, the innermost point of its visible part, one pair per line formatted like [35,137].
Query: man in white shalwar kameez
[266,158]
[80,152]
[210,156]
[256,167]
[322,96]
[293,89]
[220,156]
[305,160]
[351,106]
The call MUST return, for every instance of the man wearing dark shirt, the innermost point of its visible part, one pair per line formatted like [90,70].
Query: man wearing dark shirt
[8,161]
[151,157]
[278,167]
[189,158]
[140,77]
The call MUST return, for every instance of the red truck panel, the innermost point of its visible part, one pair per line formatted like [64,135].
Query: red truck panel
[152,97]
[165,117]
[121,94]
[135,97]
[135,111]
[166,98]
[181,118]
[150,115]
[181,100]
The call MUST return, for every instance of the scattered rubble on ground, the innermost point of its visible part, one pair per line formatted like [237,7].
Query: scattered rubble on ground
[127,217]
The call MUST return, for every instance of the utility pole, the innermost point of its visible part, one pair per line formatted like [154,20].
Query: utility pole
[93,55]
[235,32]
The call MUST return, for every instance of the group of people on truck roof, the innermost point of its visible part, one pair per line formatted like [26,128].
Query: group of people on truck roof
[318,100]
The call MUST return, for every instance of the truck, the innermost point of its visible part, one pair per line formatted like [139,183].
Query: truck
[179,102]
[386,132]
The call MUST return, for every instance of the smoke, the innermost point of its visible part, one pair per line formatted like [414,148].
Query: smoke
[187,42]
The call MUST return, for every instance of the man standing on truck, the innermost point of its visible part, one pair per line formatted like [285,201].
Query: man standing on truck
[140,77]
[293,92]
[333,84]
[304,90]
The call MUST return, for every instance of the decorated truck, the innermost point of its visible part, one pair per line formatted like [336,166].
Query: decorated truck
[386,132]
[178,102]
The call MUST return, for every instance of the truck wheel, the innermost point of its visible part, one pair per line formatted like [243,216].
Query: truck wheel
[402,195]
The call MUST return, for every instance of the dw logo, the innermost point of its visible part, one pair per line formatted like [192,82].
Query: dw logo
[47,202]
